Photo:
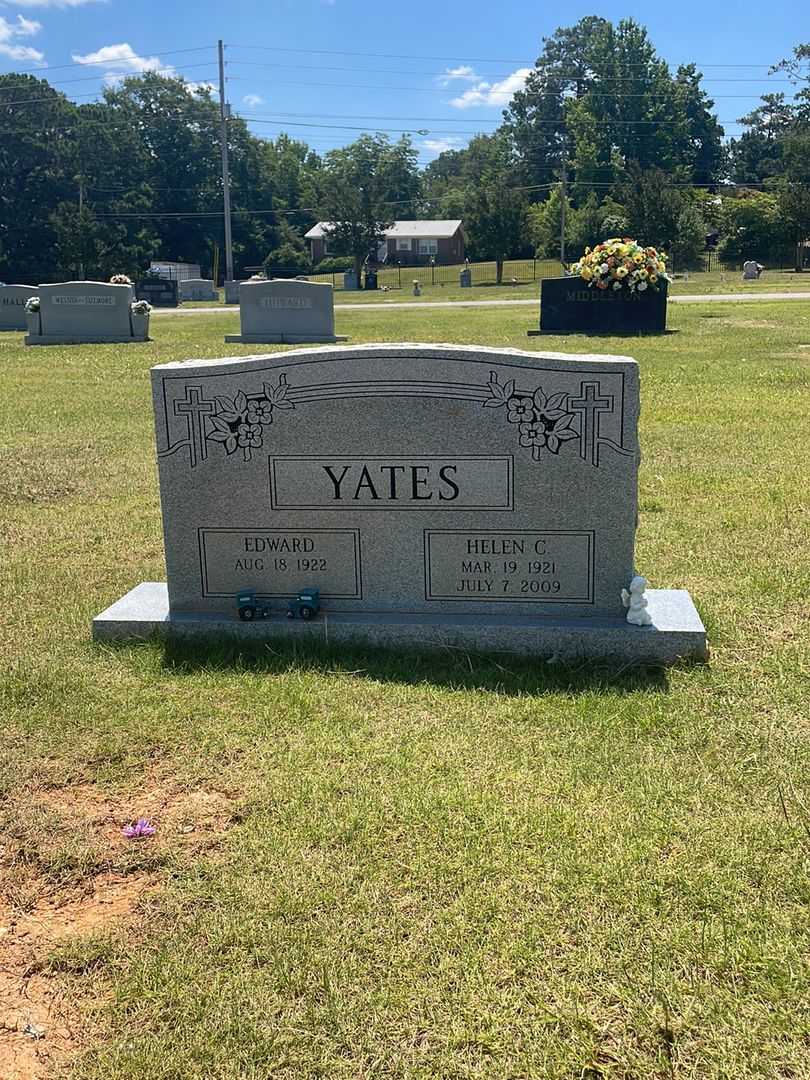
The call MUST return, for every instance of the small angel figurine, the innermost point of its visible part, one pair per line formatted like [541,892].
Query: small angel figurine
[636,602]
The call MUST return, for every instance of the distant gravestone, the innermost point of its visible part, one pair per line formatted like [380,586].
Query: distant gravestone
[232,292]
[12,305]
[159,292]
[197,289]
[76,312]
[436,495]
[570,306]
[281,311]
[350,281]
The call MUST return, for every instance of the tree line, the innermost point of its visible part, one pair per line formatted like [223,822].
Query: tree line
[107,186]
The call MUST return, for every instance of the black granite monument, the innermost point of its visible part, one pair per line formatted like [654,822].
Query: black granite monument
[571,306]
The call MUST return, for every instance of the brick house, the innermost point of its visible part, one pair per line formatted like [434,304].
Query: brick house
[409,243]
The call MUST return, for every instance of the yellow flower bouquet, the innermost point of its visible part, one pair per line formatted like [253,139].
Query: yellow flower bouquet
[622,264]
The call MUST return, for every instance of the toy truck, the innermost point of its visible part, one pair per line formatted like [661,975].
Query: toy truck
[250,607]
[306,604]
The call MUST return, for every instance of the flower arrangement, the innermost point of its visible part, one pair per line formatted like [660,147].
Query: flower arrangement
[32,305]
[141,307]
[622,264]
[120,279]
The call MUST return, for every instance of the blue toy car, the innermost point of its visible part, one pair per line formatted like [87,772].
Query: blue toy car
[250,607]
[306,604]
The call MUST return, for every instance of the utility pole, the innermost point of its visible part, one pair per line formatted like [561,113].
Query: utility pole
[81,223]
[224,114]
[563,196]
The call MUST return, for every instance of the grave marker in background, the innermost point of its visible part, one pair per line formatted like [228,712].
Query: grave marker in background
[286,311]
[12,305]
[78,312]
[197,289]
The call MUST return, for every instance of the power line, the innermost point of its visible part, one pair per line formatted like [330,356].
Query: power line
[106,63]
[460,59]
[118,75]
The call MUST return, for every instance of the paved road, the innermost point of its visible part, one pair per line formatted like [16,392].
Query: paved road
[387,305]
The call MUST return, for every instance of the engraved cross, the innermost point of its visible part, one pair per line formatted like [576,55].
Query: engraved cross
[195,408]
[590,405]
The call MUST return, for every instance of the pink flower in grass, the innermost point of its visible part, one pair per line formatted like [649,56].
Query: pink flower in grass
[142,827]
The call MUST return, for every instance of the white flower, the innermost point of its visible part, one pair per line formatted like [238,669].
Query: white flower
[604,268]
[642,285]
[617,284]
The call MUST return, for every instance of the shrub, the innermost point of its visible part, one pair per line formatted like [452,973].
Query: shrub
[288,257]
[336,264]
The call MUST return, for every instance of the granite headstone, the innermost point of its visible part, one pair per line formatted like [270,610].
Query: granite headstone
[570,306]
[435,494]
[12,305]
[279,311]
[197,289]
[232,292]
[159,292]
[77,312]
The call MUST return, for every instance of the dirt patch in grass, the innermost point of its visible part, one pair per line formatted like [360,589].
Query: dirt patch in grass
[38,1013]
[68,878]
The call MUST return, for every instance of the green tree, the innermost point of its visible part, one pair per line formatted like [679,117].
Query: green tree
[37,124]
[543,224]
[494,210]
[363,188]
[601,91]
[754,227]
[757,154]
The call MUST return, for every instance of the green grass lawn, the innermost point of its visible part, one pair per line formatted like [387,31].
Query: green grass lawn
[409,866]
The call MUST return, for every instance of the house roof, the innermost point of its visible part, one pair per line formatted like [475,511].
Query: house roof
[437,229]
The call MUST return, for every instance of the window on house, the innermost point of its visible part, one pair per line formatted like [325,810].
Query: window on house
[428,247]
[403,245]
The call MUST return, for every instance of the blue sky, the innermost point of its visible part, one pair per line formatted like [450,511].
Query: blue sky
[441,69]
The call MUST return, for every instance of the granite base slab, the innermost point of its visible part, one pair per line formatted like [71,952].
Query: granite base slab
[676,632]
[282,339]
[47,339]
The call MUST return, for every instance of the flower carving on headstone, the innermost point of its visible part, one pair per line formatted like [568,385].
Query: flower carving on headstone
[239,422]
[544,423]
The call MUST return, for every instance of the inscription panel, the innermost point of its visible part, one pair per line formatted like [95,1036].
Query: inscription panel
[84,301]
[451,482]
[528,567]
[279,562]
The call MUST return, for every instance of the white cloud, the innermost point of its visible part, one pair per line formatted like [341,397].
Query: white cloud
[253,99]
[497,93]
[439,146]
[462,73]
[11,32]
[52,3]
[121,60]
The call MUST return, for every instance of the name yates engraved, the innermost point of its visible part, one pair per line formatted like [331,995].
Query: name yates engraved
[464,482]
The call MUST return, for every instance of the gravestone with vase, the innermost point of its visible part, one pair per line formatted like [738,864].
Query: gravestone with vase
[12,305]
[86,312]
[436,496]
